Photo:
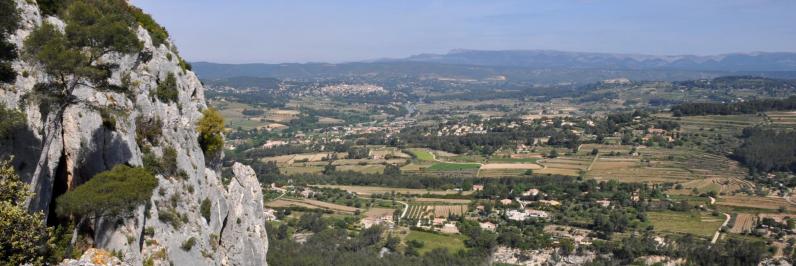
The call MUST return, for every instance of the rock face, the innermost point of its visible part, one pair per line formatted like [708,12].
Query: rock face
[171,228]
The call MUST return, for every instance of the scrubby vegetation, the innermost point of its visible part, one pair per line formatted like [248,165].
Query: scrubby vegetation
[167,89]
[148,129]
[9,120]
[166,165]
[24,234]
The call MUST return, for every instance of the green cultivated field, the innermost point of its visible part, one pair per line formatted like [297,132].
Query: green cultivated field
[431,241]
[453,166]
[422,154]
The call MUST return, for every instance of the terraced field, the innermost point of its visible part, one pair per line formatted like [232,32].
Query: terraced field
[761,203]
[782,119]
[586,149]
[500,172]
[632,170]
[571,166]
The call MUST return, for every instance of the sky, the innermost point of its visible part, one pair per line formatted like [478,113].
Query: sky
[297,31]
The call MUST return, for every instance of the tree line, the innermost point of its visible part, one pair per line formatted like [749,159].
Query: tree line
[747,107]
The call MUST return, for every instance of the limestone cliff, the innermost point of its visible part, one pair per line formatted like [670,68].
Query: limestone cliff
[234,233]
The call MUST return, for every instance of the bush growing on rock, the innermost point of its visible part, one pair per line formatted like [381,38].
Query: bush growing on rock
[110,193]
[188,244]
[205,209]
[167,89]
[210,128]
[148,129]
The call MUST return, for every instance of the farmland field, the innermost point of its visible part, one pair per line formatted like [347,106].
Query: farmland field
[454,201]
[523,166]
[375,213]
[700,224]
[514,160]
[453,166]
[747,202]
[422,154]
[743,223]
[783,119]
[308,203]
[431,241]
[369,190]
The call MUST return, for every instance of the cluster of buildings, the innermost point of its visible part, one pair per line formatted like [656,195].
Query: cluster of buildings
[348,89]
[462,129]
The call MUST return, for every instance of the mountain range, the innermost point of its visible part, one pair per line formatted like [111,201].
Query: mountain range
[538,66]
[756,61]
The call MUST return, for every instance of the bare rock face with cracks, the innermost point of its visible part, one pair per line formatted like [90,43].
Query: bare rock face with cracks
[101,128]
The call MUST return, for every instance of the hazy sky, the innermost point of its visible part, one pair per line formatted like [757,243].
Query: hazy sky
[245,31]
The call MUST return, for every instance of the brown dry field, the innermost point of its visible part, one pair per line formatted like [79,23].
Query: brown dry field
[743,223]
[510,166]
[308,203]
[452,201]
[369,190]
[558,171]
[604,148]
[772,203]
[311,157]
[376,213]
[525,155]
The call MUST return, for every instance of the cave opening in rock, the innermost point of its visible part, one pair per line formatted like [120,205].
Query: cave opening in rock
[60,187]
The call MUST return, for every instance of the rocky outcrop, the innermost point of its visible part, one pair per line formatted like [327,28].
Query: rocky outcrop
[99,131]
[243,233]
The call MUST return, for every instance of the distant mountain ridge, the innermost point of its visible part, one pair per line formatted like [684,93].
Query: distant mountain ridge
[756,61]
[536,66]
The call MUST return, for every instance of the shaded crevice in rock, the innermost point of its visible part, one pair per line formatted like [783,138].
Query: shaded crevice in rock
[143,229]
[59,187]
[223,226]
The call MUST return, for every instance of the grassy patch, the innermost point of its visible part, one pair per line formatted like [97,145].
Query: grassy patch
[453,166]
[431,241]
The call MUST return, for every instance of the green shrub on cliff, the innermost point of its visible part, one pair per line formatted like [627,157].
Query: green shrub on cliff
[210,128]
